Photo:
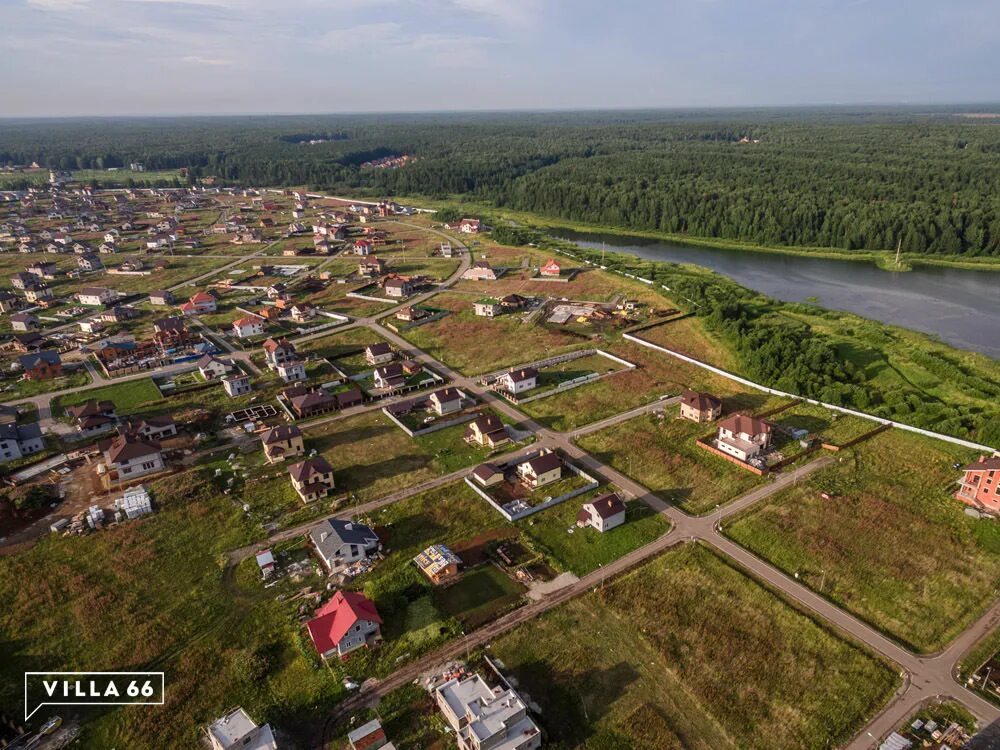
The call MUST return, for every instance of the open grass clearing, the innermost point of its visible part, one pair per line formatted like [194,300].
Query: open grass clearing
[19,388]
[689,652]
[890,545]
[128,396]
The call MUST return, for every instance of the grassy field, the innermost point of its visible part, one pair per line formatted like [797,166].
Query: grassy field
[585,550]
[830,426]
[689,336]
[102,176]
[474,345]
[27,388]
[661,455]
[69,601]
[688,652]
[344,348]
[890,545]
[656,375]
[128,396]
[480,596]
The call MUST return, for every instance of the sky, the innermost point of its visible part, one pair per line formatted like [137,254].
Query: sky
[160,57]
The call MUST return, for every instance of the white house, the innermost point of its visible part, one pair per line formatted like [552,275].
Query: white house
[237,731]
[518,381]
[743,437]
[543,469]
[340,543]
[95,295]
[292,371]
[248,327]
[484,717]
[602,513]
[131,456]
[211,368]
[236,385]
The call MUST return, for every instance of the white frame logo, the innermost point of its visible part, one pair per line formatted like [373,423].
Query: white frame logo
[120,696]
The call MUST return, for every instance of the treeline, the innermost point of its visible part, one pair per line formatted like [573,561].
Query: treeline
[827,178]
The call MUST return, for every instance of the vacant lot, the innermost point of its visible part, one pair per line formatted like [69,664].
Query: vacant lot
[128,396]
[832,427]
[159,579]
[688,652]
[689,336]
[555,534]
[661,455]
[345,349]
[27,388]
[889,544]
[480,596]
[475,345]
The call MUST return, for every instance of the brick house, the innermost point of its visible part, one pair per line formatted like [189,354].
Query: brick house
[312,478]
[980,484]
[700,407]
[282,442]
[42,365]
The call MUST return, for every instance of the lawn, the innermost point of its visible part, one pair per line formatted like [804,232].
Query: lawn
[689,652]
[585,550]
[475,345]
[832,427]
[656,374]
[689,336]
[128,396]
[372,457]
[344,349]
[27,388]
[452,453]
[68,602]
[661,455]
[480,596]
[890,544]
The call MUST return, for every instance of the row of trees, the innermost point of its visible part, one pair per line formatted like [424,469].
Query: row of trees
[854,180]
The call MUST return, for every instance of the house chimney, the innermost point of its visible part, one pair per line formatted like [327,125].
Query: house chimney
[348,526]
[982,459]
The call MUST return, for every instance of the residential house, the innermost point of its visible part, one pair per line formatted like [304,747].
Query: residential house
[342,543]
[161,297]
[743,436]
[312,478]
[89,262]
[292,371]
[9,302]
[485,718]
[347,622]
[93,417]
[131,456]
[603,513]
[25,322]
[551,268]
[466,226]
[487,430]
[489,307]
[378,354]
[277,352]
[518,381]
[96,295]
[20,280]
[362,247]
[154,428]
[118,313]
[211,367]
[236,384]
[371,267]
[91,325]
[411,313]
[41,365]
[487,475]
[541,470]
[199,304]
[303,313]
[311,403]
[31,341]
[265,561]
[438,563]
[44,270]
[446,401]
[512,302]
[237,731]
[170,333]
[248,327]
[700,407]
[282,442]
[389,376]
[398,287]
[18,441]
[479,271]
[38,293]
[980,484]
[269,312]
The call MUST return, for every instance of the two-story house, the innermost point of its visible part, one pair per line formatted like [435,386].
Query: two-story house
[282,442]
[484,718]
[541,470]
[312,478]
[341,543]
[347,622]
[744,437]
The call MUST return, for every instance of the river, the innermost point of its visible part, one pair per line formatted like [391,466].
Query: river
[959,306]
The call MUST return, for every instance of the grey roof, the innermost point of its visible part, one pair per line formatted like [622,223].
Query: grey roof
[338,533]
[28,361]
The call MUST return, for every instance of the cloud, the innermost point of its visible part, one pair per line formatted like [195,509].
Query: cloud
[58,5]
[199,60]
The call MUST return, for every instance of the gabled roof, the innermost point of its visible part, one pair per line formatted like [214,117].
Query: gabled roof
[488,423]
[303,471]
[545,462]
[172,323]
[272,345]
[338,616]
[90,408]
[745,424]
[379,348]
[608,505]
[30,361]
[247,320]
[485,471]
[984,464]
[280,434]
[201,298]
[445,395]
[525,373]
[700,401]
[128,447]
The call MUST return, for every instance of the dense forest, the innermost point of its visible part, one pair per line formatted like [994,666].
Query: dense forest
[851,179]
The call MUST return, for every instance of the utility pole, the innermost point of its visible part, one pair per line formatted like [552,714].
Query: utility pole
[899,246]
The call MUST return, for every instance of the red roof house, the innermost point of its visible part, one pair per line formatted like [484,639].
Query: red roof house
[551,268]
[345,623]
[980,487]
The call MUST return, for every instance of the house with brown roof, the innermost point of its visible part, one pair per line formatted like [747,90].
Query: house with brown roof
[210,367]
[541,470]
[282,442]
[291,371]
[487,430]
[170,333]
[980,484]
[700,407]
[398,287]
[93,417]
[312,478]
[389,376]
[154,428]
[371,266]
[278,351]
[603,513]
[25,322]
[743,436]
[131,456]
[378,354]
[487,475]
[518,381]
[446,401]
